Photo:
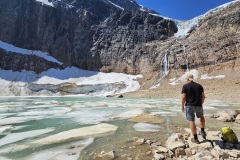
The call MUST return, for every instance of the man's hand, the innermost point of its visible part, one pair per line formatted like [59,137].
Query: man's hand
[183,101]
[183,109]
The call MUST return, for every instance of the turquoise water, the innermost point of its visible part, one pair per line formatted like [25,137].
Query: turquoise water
[26,119]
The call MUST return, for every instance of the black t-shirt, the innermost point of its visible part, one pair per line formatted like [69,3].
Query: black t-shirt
[193,94]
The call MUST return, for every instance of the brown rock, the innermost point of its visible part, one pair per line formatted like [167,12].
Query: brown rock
[147,118]
[179,152]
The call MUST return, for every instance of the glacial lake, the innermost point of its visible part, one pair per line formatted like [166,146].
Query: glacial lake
[24,121]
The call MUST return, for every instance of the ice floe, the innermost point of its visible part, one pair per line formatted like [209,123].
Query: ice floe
[129,114]
[55,111]
[13,148]
[70,151]
[78,133]
[14,137]
[16,120]
[4,129]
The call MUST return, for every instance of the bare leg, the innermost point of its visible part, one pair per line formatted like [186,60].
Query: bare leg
[193,127]
[202,122]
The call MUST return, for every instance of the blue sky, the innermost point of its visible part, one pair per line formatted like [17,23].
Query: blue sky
[181,9]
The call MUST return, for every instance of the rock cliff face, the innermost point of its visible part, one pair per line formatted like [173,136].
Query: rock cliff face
[17,62]
[216,40]
[101,35]
[90,34]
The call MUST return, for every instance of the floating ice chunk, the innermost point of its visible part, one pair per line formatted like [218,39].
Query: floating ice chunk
[46,112]
[13,148]
[19,127]
[146,127]
[16,120]
[69,151]
[139,105]
[38,106]
[130,114]
[4,129]
[88,117]
[7,114]
[74,134]
[14,137]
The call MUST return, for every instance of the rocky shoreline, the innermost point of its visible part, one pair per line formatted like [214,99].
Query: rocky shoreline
[179,146]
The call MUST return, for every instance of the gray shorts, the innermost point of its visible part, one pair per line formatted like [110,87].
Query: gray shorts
[191,110]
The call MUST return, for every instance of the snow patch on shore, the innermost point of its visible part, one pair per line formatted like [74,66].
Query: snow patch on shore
[196,75]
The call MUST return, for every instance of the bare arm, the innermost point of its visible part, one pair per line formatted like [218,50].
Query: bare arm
[203,97]
[183,101]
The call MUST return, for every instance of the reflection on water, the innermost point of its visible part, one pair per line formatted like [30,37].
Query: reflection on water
[25,120]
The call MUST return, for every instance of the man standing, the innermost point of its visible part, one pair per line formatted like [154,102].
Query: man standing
[192,99]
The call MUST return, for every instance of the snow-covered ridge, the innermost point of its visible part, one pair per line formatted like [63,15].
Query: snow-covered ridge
[12,48]
[185,26]
[116,5]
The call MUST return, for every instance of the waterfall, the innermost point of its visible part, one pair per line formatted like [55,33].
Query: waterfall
[164,65]
[164,69]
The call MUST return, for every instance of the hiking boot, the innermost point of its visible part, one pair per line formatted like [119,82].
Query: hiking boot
[203,133]
[195,140]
